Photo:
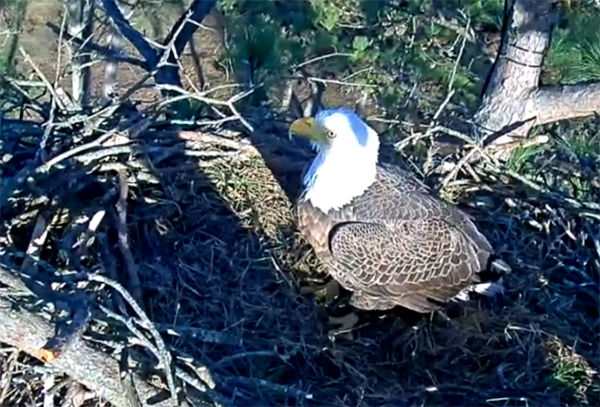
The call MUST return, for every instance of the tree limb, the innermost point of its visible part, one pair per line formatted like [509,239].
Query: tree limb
[187,24]
[164,63]
[88,366]
[554,103]
[516,73]
[132,35]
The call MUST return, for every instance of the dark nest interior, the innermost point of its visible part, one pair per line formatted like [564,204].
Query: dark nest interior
[210,249]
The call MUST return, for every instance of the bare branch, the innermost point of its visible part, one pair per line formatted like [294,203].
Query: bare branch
[132,35]
[187,24]
[165,61]
[551,104]
[123,239]
[163,355]
[518,67]
[86,365]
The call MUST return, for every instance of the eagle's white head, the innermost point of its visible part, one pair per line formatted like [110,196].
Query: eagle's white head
[346,163]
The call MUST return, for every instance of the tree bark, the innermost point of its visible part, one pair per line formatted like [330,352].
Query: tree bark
[513,93]
[86,365]
[109,86]
[80,25]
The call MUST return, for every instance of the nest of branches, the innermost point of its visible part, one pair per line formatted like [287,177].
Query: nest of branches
[151,261]
[148,263]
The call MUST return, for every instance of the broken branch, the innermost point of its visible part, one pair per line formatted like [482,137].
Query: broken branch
[88,366]
[554,103]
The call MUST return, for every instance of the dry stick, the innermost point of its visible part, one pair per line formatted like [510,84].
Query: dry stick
[320,58]
[462,162]
[198,66]
[90,231]
[16,87]
[168,152]
[217,140]
[129,323]
[49,380]
[7,375]
[36,244]
[42,77]
[95,370]
[165,356]
[497,168]
[41,153]
[201,334]
[184,94]
[127,379]
[451,90]
[207,383]
[123,239]
[459,56]
[132,132]
[108,266]
[70,153]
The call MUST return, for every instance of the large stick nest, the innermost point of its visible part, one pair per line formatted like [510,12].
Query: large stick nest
[201,232]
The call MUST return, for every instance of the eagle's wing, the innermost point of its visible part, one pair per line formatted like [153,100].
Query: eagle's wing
[402,246]
[400,197]
[405,262]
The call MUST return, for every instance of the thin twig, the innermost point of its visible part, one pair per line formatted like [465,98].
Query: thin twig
[123,239]
[165,356]
[38,71]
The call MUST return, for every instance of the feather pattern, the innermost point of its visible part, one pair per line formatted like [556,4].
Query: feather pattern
[396,244]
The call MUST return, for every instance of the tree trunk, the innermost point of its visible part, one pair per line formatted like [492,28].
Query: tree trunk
[80,22]
[109,86]
[513,99]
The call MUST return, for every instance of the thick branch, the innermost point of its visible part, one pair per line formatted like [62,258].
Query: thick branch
[181,33]
[80,25]
[96,370]
[165,62]
[513,94]
[525,41]
[554,103]
[190,20]
[132,35]
[516,72]
[107,52]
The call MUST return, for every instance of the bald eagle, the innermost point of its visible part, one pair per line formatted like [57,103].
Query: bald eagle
[379,231]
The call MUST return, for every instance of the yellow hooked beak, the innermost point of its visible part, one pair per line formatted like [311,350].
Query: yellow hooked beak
[308,128]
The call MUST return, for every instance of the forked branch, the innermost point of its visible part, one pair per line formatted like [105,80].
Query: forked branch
[514,92]
[163,63]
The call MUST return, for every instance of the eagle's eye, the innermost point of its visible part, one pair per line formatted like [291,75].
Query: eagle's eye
[330,134]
